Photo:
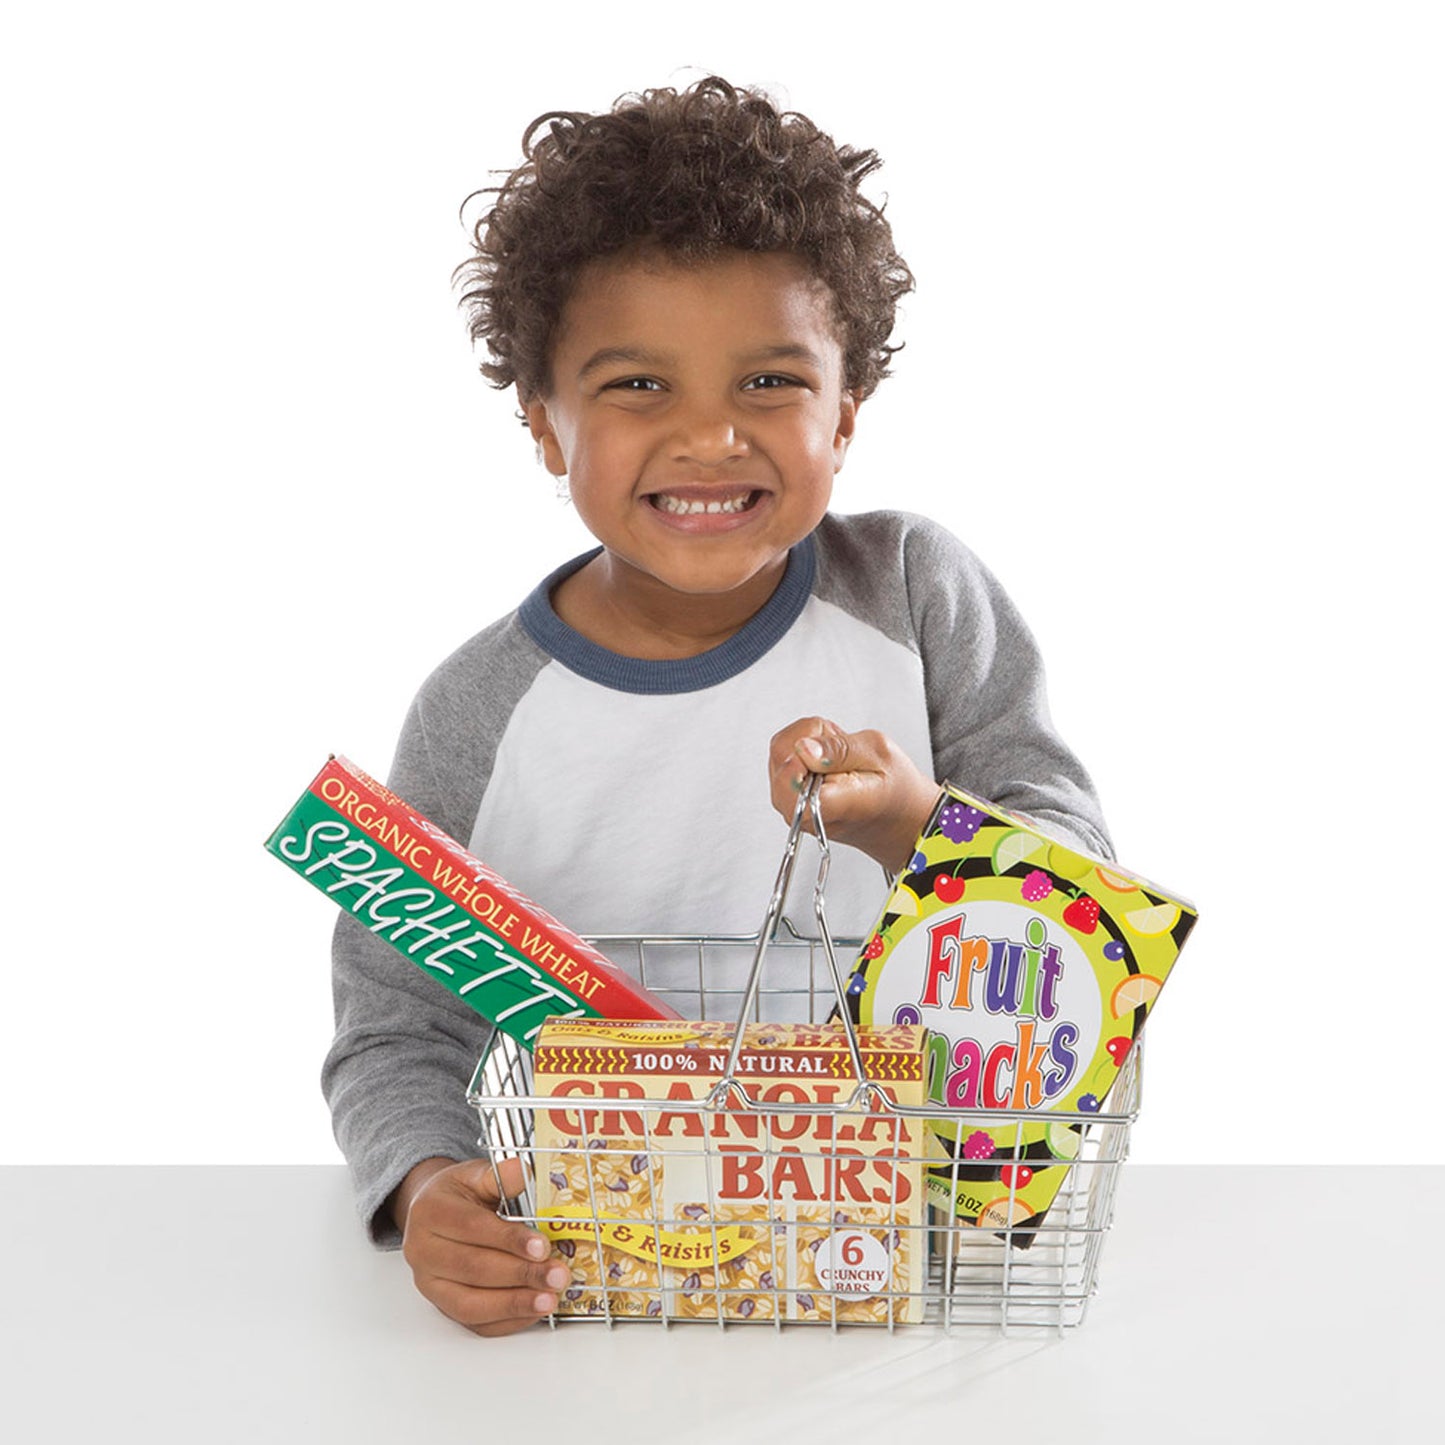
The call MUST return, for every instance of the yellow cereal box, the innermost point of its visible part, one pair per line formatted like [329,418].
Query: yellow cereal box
[789,1206]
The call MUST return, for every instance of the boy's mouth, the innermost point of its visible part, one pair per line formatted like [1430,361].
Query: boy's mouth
[679,506]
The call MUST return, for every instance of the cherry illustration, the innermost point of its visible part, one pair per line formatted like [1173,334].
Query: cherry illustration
[949,889]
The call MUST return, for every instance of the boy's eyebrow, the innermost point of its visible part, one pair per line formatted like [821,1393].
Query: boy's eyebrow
[787,351]
[639,356]
[611,354]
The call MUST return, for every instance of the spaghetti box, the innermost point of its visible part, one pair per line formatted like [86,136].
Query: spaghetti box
[446,911]
[800,1209]
[1035,966]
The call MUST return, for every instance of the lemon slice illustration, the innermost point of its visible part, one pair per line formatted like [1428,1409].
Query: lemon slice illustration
[1150,922]
[904,902]
[1014,848]
[1137,989]
[1066,863]
[1003,1213]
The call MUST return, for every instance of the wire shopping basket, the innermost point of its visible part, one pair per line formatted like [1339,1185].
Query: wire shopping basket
[939,1270]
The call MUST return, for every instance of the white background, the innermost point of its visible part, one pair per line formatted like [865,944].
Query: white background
[1173,368]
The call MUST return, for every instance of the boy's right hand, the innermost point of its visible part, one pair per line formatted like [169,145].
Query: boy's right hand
[487,1273]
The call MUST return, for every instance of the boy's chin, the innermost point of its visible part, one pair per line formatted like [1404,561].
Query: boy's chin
[717,578]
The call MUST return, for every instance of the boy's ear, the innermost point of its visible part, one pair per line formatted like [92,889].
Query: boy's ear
[847,419]
[549,451]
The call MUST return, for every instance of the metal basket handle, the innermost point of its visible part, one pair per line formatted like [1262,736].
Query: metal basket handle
[808,805]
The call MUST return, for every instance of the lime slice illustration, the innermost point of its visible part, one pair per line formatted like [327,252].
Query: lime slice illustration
[1014,848]
[1149,922]
[1116,881]
[1066,863]
[1137,989]
[1064,1142]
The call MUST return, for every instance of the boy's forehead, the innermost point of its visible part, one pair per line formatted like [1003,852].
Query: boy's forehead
[774,294]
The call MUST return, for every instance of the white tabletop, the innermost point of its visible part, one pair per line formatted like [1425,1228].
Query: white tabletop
[243,1304]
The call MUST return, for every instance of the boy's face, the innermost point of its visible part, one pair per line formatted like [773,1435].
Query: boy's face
[699,415]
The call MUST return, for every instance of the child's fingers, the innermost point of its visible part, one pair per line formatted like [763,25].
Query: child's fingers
[808,745]
[815,745]
[491,1274]
[489,1288]
[489,1311]
[481,1268]
[873,796]
[851,766]
[836,752]
[787,772]
[460,1205]
[824,748]
[458,1218]
[494,1181]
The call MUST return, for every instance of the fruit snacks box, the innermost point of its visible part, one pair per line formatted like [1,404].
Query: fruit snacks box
[445,911]
[662,1205]
[1035,967]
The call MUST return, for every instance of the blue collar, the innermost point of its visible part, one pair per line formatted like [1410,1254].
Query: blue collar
[687,674]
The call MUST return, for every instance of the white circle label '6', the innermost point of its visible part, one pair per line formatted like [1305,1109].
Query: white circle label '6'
[853,1265]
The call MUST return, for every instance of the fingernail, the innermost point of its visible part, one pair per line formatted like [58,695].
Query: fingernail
[812,750]
[537,1247]
[559,1278]
[544,1304]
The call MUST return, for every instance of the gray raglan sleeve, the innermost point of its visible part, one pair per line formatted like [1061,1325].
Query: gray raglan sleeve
[988,708]
[396,1074]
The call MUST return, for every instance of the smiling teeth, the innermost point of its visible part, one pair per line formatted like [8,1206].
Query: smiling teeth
[681,508]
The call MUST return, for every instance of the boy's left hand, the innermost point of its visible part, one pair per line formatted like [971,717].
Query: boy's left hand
[872,796]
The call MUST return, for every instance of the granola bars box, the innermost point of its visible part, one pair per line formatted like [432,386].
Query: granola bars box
[800,1209]
[1035,967]
[446,911]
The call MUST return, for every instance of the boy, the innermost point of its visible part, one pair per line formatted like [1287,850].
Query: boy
[693,300]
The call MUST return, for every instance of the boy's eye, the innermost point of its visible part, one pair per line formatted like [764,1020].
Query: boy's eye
[634,383]
[770,381]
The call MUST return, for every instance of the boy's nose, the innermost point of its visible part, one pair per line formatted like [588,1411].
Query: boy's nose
[708,440]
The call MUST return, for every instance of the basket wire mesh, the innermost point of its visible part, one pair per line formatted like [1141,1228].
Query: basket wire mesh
[1041,1276]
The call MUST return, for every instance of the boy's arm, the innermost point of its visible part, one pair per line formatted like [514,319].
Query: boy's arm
[988,718]
[988,707]
[396,1073]
[405,1047]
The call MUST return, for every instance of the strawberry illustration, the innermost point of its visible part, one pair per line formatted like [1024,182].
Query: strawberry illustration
[875,946]
[1083,913]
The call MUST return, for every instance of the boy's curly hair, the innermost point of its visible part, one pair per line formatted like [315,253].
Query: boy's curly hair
[693,173]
